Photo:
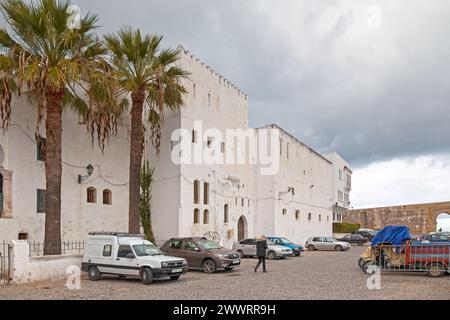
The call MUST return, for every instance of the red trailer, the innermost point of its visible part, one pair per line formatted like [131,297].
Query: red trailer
[394,250]
[413,256]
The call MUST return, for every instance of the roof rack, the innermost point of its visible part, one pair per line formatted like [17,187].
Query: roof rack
[116,234]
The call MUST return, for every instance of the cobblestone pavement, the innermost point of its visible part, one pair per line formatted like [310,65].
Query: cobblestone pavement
[318,275]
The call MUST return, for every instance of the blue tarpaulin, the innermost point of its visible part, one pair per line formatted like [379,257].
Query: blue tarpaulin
[393,235]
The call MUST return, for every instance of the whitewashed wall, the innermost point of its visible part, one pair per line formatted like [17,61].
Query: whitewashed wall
[26,269]
[173,200]
[309,174]
[78,217]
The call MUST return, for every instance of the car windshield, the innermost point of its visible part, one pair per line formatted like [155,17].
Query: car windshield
[143,250]
[208,245]
[286,241]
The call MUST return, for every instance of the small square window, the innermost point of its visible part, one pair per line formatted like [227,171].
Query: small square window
[107,251]
[23,236]
[284,212]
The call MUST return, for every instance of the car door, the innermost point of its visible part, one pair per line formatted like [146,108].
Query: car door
[318,243]
[174,248]
[126,261]
[328,244]
[193,254]
[249,247]
[348,238]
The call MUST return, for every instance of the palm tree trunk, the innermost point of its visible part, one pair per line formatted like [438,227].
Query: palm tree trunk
[136,149]
[53,172]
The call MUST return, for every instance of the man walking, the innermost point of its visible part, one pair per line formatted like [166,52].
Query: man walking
[261,252]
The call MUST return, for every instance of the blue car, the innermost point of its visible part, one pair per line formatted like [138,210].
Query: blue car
[296,249]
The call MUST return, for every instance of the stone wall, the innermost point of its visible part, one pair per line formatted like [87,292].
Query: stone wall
[420,218]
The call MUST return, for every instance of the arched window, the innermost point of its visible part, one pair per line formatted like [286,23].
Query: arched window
[107,197]
[309,217]
[196,216]
[297,215]
[206,217]
[196,192]
[206,193]
[91,195]
[320,217]
[226,214]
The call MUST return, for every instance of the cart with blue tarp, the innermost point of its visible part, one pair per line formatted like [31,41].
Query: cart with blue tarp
[393,249]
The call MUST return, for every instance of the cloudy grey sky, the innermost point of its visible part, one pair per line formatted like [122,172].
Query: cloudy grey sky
[329,73]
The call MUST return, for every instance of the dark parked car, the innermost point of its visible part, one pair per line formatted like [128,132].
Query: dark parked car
[437,237]
[201,253]
[355,239]
[369,234]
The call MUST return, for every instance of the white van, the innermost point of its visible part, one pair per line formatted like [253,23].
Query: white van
[130,255]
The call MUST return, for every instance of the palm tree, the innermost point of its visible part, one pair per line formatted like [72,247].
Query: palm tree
[56,67]
[150,75]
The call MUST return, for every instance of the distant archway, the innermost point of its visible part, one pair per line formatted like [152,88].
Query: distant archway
[443,222]
[242,229]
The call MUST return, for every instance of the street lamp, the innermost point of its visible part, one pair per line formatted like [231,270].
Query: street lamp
[89,171]
[290,190]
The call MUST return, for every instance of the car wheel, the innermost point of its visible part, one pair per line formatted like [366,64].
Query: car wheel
[94,274]
[241,253]
[147,276]
[174,278]
[311,247]
[339,248]
[209,266]
[436,270]
[272,255]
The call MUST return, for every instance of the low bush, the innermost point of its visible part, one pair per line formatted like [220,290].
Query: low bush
[345,227]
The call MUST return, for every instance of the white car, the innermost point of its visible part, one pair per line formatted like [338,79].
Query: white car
[326,243]
[247,248]
[128,255]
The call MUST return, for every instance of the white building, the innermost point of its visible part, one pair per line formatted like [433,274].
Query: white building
[226,201]
[341,181]
[296,203]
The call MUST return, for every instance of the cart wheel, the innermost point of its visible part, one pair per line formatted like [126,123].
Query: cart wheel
[365,266]
[436,270]
[361,262]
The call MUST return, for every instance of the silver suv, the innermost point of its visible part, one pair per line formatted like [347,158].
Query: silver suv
[247,248]
[326,243]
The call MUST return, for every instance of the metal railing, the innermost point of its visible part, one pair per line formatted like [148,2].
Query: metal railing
[67,248]
[5,263]
[412,257]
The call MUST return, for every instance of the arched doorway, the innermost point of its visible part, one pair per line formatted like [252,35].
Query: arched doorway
[443,222]
[242,228]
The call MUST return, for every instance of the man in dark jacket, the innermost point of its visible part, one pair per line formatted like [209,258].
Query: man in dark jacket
[261,252]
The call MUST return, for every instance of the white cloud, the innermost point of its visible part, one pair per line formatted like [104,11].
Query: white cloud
[402,181]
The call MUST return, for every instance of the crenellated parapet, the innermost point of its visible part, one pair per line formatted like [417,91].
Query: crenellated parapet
[218,77]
